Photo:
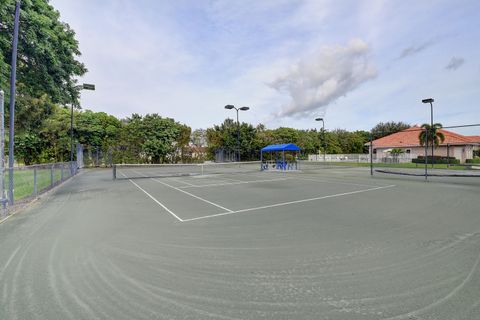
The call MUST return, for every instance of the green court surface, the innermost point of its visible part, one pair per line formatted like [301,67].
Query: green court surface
[325,244]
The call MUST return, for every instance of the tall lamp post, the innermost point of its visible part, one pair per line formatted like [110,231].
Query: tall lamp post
[323,136]
[430,100]
[85,86]
[229,107]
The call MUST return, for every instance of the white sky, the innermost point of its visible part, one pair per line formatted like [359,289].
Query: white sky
[355,62]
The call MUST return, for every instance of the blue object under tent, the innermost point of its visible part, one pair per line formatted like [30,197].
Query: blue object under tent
[279,163]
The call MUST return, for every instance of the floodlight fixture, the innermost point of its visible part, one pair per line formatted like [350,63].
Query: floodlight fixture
[430,101]
[229,107]
[88,86]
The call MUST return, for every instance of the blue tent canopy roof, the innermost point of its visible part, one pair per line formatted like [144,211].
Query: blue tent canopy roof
[281,147]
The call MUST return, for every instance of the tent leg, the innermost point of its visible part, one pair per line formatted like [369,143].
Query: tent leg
[261,161]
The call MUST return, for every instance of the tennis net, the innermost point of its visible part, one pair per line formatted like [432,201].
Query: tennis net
[137,171]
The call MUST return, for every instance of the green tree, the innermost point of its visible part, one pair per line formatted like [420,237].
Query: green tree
[151,139]
[55,132]
[47,52]
[28,147]
[383,129]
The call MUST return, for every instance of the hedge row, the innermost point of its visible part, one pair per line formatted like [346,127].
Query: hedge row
[474,160]
[436,160]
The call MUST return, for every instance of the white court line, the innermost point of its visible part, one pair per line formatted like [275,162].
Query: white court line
[236,180]
[153,198]
[192,195]
[5,218]
[287,203]
[231,183]
[184,182]
[336,181]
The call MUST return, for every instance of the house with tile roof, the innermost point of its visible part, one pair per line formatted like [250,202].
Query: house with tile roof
[455,145]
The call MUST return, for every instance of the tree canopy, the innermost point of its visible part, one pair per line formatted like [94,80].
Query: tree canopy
[383,129]
[47,52]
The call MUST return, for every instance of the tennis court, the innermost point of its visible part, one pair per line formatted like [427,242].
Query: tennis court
[238,243]
[196,192]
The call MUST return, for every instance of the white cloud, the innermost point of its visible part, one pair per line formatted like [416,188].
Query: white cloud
[186,59]
[324,76]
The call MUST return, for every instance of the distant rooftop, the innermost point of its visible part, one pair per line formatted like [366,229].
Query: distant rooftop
[409,138]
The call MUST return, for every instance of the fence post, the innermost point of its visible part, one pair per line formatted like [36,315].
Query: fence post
[448,155]
[35,180]
[371,154]
[114,171]
[51,175]
[3,198]
[61,174]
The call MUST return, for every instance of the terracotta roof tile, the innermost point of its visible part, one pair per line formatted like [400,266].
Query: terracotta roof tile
[409,138]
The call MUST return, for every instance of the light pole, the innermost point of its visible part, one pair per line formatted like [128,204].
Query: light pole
[430,100]
[13,77]
[85,86]
[323,136]
[229,107]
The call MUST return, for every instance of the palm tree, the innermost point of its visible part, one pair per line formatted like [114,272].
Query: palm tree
[435,137]
[395,152]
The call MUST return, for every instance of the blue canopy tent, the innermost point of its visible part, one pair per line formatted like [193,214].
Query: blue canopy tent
[279,164]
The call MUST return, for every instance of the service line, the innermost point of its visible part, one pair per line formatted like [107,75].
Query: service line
[232,183]
[192,195]
[287,203]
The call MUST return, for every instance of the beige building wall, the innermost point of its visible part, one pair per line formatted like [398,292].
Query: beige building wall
[461,153]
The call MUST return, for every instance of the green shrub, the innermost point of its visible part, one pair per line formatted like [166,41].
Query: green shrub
[474,160]
[436,160]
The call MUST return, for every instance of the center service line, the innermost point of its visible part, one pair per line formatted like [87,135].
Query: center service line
[287,203]
[153,198]
[192,195]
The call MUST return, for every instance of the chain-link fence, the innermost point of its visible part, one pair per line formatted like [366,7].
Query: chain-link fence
[93,156]
[30,181]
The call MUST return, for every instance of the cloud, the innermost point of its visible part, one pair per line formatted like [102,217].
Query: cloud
[455,63]
[412,50]
[324,76]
